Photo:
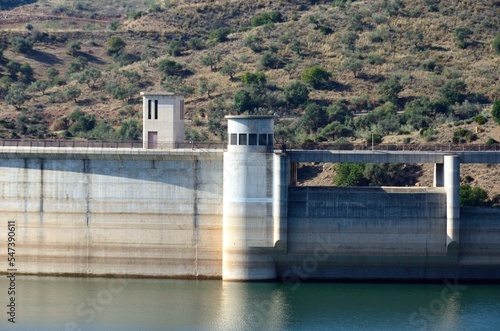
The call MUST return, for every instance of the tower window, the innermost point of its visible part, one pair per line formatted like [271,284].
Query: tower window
[270,139]
[243,139]
[156,109]
[262,139]
[181,110]
[234,139]
[252,139]
[149,109]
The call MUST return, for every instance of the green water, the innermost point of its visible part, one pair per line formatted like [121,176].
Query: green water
[51,303]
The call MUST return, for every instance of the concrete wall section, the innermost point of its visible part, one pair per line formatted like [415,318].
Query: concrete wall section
[367,221]
[119,217]
[479,237]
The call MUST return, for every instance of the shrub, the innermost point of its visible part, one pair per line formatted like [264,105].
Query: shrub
[495,111]
[175,48]
[243,101]
[463,135]
[115,45]
[453,91]
[390,89]
[258,78]
[496,44]
[349,174]
[15,95]
[73,47]
[170,68]
[480,119]
[429,65]
[196,43]
[296,93]
[491,141]
[271,61]
[21,45]
[472,196]
[255,43]
[220,35]
[314,117]
[266,18]
[316,76]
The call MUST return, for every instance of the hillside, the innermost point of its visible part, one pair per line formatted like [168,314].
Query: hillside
[406,71]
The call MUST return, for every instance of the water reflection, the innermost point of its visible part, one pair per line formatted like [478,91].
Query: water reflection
[49,303]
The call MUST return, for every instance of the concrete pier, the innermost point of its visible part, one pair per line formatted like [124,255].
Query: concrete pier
[452,185]
[280,203]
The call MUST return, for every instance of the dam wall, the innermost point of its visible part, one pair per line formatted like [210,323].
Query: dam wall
[114,213]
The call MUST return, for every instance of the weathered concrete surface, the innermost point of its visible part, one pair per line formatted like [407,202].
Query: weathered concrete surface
[158,216]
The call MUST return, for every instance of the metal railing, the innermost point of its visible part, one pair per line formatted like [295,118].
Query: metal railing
[202,145]
[70,143]
[396,147]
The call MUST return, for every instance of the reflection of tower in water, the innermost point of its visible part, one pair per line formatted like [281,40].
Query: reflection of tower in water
[253,306]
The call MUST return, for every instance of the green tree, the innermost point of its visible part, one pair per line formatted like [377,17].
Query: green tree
[271,60]
[13,69]
[90,77]
[258,78]
[175,48]
[349,174]
[390,89]
[462,34]
[211,60]
[72,93]
[16,95]
[296,93]
[353,64]
[207,87]
[335,130]
[266,18]
[454,91]
[243,101]
[496,44]
[130,130]
[73,47]
[52,74]
[317,77]
[255,43]
[349,40]
[26,73]
[229,68]
[196,43]
[314,117]
[495,111]
[220,34]
[38,86]
[79,64]
[170,68]
[21,45]
[116,45]
[472,196]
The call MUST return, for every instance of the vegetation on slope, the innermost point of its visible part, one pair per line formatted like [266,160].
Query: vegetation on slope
[338,71]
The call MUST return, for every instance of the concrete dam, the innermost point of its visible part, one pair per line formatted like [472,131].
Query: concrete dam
[234,213]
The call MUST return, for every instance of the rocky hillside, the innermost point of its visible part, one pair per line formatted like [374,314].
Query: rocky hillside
[405,71]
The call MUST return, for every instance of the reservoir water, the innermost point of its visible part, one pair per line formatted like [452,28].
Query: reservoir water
[62,303]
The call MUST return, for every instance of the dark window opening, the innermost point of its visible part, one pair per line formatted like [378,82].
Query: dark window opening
[270,140]
[156,109]
[243,139]
[234,139]
[182,109]
[252,139]
[149,109]
[262,139]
